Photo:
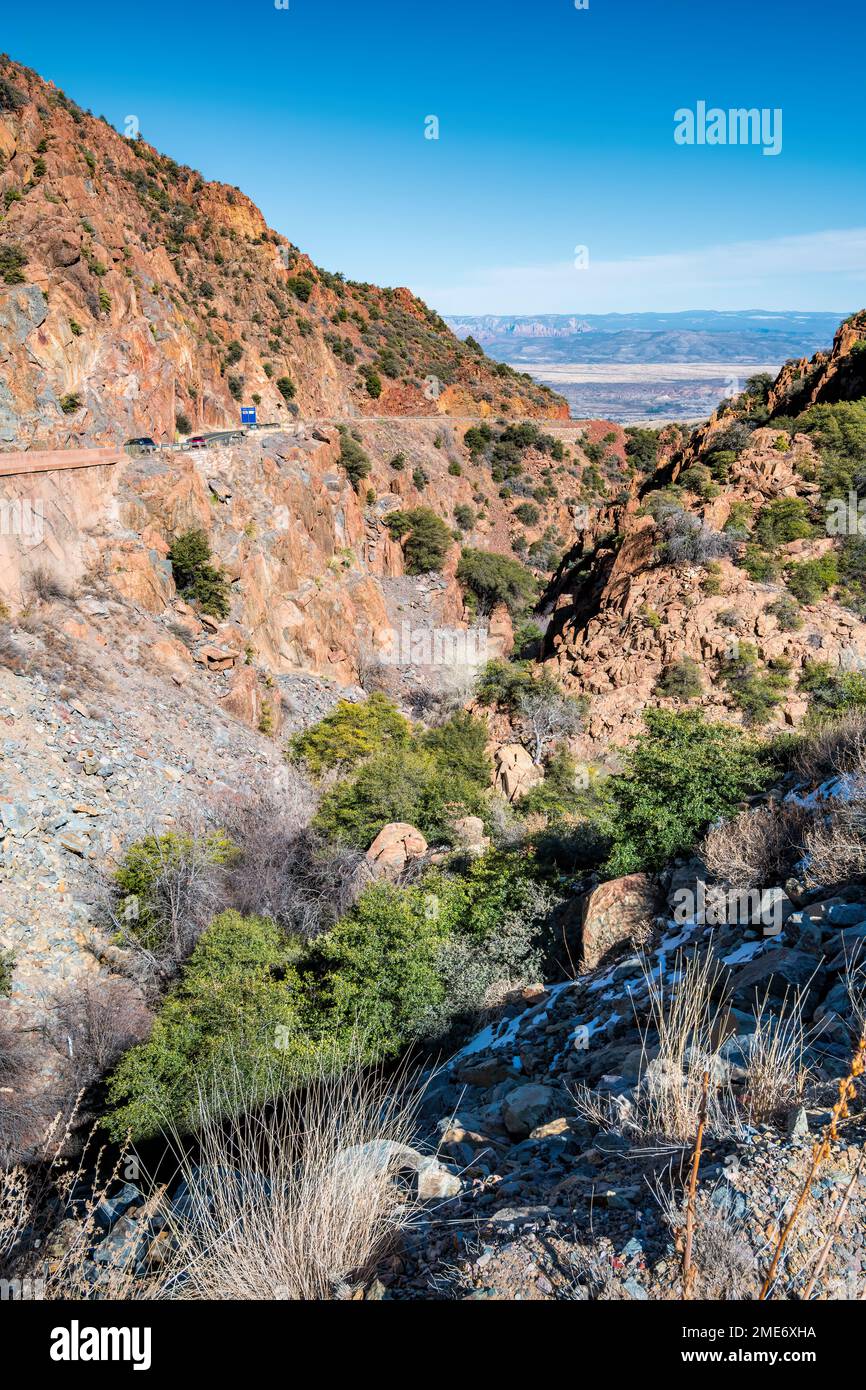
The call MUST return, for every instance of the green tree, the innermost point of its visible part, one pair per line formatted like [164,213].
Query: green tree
[678,777]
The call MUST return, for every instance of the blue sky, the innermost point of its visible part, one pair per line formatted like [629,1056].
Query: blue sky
[555,132]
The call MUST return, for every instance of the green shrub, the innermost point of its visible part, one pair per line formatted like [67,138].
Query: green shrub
[372,381]
[755,690]
[786,611]
[501,684]
[832,690]
[286,387]
[681,680]
[460,747]
[235,1012]
[70,403]
[760,566]
[425,538]
[400,784]
[353,458]
[12,263]
[838,432]
[398,462]
[678,777]
[464,516]
[492,579]
[182,423]
[784,520]
[349,734]
[196,578]
[419,479]
[527,514]
[811,579]
[455,469]
[301,287]
[145,867]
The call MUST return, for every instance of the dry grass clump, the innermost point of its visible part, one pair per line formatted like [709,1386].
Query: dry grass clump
[724,1266]
[835,845]
[685,1018]
[835,746]
[691,1022]
[775,1072]
[758,847]
[297,1201]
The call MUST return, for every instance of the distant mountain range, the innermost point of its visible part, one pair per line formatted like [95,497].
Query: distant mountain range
[738,336]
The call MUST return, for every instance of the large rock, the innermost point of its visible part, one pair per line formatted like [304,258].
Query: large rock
[394,846]
[621,910]
[516,773]
[469,831]
[433,1180]
[524,1108]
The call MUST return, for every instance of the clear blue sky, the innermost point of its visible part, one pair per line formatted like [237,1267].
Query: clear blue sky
[556,131]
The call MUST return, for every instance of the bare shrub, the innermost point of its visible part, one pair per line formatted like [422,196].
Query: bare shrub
[724,1264]
[11,654]
[283,869]
[835,845]
[834,747]
[93,1023]
[757,847]
[20,1112]
[689,541]
[186,890]
[44,584]
[297,1201]
[546,714]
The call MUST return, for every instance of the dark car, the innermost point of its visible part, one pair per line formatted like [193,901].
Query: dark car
[145,442]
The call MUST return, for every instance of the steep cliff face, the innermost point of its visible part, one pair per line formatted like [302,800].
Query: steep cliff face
[135,298]
[837,375]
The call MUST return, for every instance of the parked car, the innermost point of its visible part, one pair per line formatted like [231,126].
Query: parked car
[145,442]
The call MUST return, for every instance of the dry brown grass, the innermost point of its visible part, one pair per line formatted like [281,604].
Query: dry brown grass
[775,1072]
[690,1020]
[835,845]
[836,746]
[298,1201]
[724,1264]
[685,1018]
[758,847]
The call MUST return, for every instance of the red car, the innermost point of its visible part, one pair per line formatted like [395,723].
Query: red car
[196,441]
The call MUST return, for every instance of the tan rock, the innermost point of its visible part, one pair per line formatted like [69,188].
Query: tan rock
[516,773]
[394,846]
[618,911]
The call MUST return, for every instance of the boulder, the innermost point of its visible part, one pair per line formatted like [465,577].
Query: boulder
[433,1180]
[516,773]
[524,1108]
[469,831]
[394,846]
[621,910]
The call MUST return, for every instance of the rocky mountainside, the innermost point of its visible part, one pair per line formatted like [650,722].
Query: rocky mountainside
[722,558]
[138,299]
